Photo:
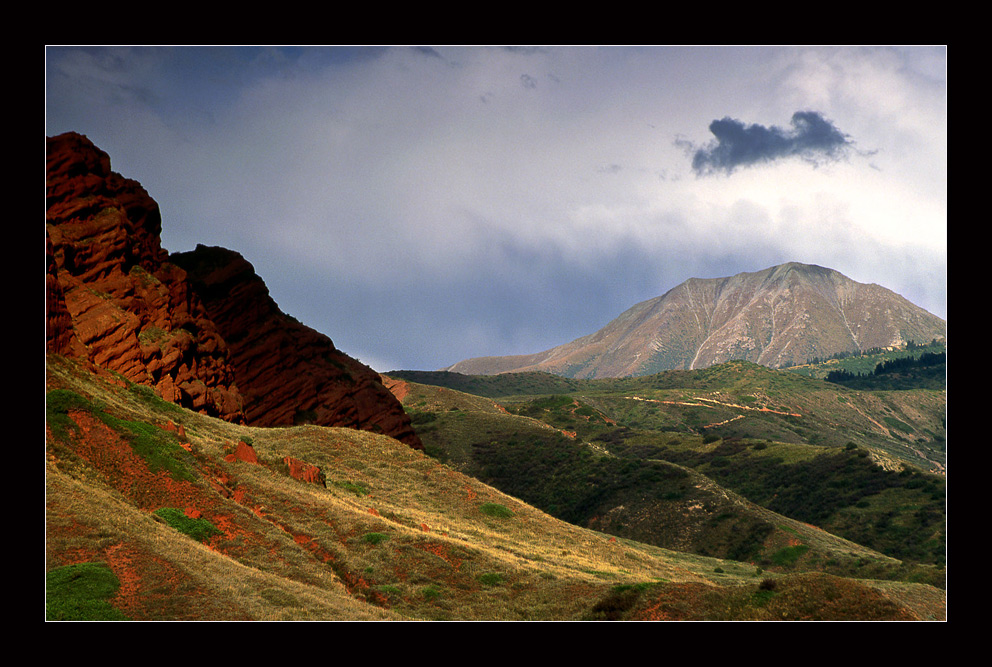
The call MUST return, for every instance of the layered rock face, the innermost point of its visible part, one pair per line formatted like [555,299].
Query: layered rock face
[288,373]
[213,341]
[113,298]
[781,316]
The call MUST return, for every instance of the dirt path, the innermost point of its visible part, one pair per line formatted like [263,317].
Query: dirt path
[709,402]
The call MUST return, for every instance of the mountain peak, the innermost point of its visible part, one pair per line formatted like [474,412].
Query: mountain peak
[779,316]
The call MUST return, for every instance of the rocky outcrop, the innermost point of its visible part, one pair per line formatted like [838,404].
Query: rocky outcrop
[781,316]
[199,327]
[305,472]
[113,298]
[287,372]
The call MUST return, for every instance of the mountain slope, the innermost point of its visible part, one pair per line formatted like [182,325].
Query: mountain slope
[781,316]
[654,459]
[183,516]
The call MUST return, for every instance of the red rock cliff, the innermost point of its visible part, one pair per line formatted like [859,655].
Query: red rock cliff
[288,372]
[211,340]
[113,298]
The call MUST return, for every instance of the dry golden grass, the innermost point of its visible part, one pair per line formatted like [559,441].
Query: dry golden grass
[394,535]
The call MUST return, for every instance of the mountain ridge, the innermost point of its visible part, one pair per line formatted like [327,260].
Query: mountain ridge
[780,316]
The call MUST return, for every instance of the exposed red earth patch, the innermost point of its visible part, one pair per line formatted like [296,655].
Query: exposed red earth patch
[105,450]
[399,388]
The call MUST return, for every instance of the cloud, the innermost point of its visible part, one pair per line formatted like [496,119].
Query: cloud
[812,138]
[424,204]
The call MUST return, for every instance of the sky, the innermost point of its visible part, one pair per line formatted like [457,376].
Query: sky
[421,205]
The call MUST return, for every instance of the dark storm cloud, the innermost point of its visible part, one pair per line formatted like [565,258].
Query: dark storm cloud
[811,137]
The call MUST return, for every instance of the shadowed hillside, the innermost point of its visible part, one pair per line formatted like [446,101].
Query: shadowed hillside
[691,459]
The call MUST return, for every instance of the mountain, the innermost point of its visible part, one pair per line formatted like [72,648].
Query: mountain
[199,328]
[781,316]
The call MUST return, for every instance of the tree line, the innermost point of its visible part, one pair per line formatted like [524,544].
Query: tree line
[904,364]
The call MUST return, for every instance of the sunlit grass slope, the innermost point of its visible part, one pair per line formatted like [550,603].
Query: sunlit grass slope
[157,513]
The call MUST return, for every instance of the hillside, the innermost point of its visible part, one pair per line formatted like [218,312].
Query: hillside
[863,465]
[741,399]
[157,512]
[781,316]
[909,367]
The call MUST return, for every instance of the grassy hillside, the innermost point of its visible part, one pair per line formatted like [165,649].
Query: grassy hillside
[628,456]
[741,399]
[157,513]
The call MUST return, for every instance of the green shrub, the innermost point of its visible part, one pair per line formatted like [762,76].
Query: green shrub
[374,538]
[616,604]
[419,418]
[200,530]
[58,402]
[80,593]
[496,510]
[491,579]
[788,556]
[159,448]
[431,592]
[354,487]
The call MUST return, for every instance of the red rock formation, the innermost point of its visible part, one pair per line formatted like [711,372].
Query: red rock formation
[112,296]
[305,472]
[60,336]
[287,372]
[243,452]
[213,341]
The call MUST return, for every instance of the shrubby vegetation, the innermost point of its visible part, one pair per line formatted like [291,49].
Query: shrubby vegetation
[913,366]
[80,593]
[836,487]
[158,447]
[199,529]
[928,370]
[567,480]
